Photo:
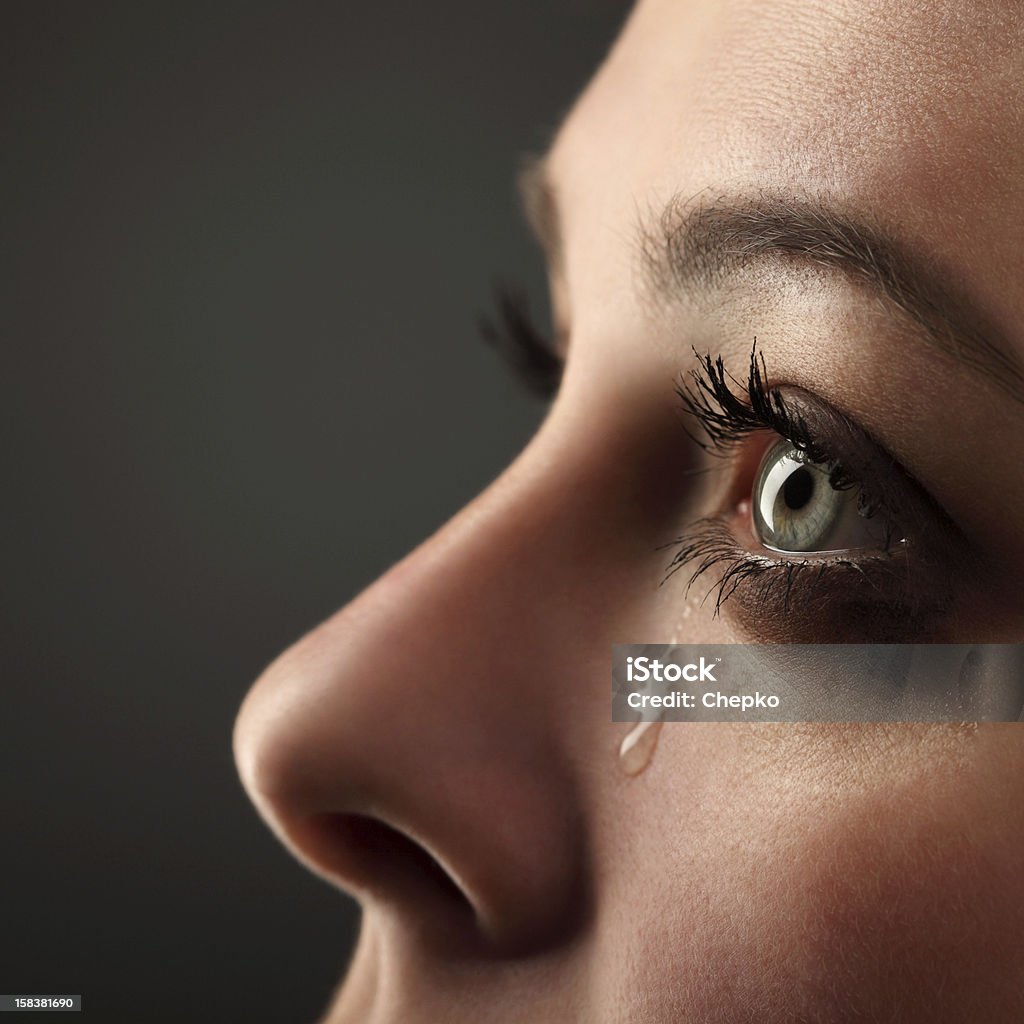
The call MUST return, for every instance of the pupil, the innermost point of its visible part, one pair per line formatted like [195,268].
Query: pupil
[798,488]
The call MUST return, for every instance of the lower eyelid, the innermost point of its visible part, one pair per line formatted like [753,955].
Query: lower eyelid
[877,598]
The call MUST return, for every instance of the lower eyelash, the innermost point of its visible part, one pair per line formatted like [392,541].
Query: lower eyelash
[708,545]
[872,599]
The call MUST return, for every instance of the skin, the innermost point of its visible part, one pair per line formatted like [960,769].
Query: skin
[752,872]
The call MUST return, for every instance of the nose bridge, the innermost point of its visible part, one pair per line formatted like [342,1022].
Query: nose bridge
[423,704]
[444,636]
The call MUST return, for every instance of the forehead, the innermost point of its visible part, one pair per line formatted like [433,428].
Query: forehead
[909,113]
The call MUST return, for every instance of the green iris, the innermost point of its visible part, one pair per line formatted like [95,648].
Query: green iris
[796,508]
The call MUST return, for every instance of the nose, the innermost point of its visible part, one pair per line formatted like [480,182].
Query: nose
[410,750]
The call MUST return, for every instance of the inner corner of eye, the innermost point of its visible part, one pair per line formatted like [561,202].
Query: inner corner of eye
[747,461]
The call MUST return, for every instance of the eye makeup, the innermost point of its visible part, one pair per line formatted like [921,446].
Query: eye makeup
[821,533]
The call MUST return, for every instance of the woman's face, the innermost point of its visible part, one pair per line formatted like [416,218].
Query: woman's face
[843,182]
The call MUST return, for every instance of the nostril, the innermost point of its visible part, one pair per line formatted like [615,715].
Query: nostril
[371,859]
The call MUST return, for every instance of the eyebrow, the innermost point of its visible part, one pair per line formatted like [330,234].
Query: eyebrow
[694,242]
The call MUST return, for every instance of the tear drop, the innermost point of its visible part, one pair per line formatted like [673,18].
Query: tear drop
[637,748]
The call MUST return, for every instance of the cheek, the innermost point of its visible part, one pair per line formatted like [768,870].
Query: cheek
[813,875]
[891,902]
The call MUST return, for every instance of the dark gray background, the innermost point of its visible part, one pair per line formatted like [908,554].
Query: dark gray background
[244,250]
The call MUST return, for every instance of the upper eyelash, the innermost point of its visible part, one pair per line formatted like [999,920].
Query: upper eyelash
[528,351]
[723,416]
[726,419]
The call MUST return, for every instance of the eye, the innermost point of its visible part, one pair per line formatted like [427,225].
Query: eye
[796,506]
[830,539]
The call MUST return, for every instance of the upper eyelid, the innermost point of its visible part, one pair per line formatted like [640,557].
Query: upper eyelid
[872,465]
[812,422]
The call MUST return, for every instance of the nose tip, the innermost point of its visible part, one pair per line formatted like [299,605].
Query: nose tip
[400,761]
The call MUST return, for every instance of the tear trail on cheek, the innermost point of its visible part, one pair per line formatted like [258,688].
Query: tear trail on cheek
[637,748]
